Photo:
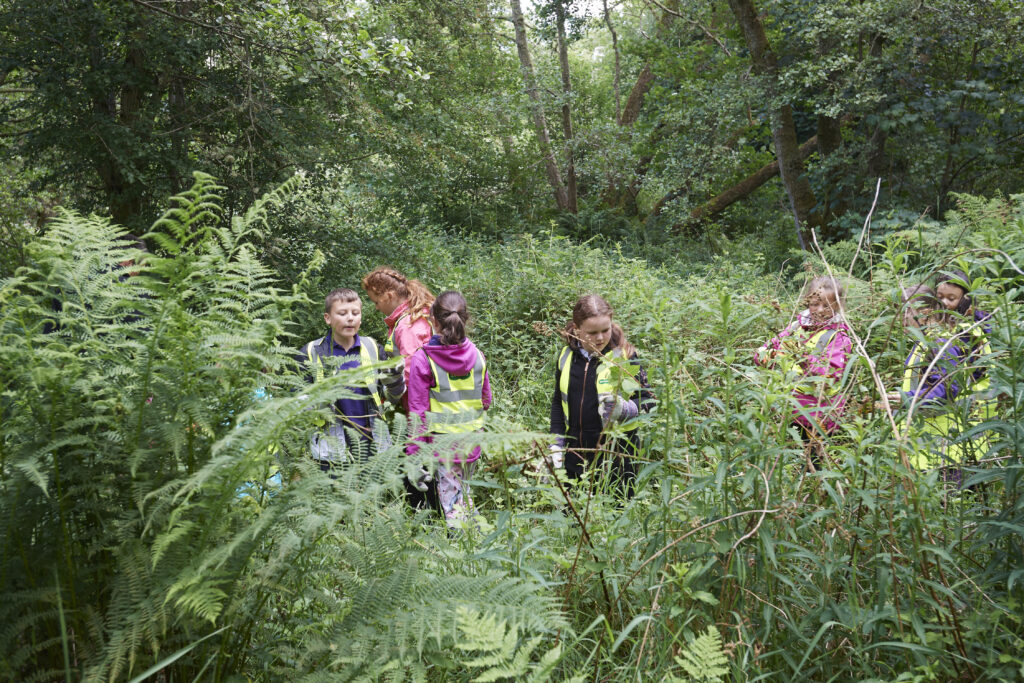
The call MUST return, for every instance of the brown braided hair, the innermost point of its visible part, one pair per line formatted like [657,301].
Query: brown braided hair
[384,279]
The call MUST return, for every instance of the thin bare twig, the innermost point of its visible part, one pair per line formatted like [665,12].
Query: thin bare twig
[867,225]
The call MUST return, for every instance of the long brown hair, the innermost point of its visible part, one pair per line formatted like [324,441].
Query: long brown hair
[592,306]
[384,279]
[449,311]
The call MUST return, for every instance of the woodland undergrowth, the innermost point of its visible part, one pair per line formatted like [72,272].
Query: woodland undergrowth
[160,515]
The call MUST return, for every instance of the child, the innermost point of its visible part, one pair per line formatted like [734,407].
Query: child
[817,347]
[449,389]
[354,427]
[405,305]
[951,289]
[938,384]
[586,400]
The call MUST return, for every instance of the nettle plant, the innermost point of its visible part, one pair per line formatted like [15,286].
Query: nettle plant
[159,510]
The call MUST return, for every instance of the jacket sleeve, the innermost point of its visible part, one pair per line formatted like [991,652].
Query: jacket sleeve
[420,381]
[487,398]
[941,384]
[771,348]
[418,395]
[557,416]
[393,382]
[832,362]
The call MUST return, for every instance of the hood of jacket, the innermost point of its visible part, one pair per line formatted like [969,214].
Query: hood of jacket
[457,359]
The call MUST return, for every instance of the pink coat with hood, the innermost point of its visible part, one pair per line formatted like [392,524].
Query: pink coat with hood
[829,362]
[455,359]
[409,335]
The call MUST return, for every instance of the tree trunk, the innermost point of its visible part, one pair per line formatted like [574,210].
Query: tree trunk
[618,66]
[537,108]
[631,110]
[614,194]
[830,135]
[738,191]
[791,166]
[563,61]
[834,201]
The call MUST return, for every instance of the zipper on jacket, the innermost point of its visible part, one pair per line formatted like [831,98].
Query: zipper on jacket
[583,393]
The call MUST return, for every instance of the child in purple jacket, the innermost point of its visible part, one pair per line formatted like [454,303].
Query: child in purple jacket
[816,347]
[449,389]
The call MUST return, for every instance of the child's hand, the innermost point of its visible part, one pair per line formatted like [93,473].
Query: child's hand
[555,457]
[393,379]
[614,408]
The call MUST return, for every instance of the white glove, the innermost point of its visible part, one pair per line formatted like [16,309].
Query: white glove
[555,456]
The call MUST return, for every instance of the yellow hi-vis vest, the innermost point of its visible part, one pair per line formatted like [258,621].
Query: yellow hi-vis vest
[944,424]
[368,355]
[389,342]
[457,401]
[604,382]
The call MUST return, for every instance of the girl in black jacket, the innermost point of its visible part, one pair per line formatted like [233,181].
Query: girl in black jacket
[591,394]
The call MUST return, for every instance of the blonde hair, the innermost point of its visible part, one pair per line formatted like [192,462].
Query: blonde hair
[592,306]
[828,284]
[384,279]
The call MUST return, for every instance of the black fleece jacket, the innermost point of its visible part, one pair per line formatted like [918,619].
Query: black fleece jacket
[584,428]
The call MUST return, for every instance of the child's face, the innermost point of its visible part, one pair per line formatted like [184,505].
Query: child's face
[385,302]
[822,305]
[950,295]
[344,319]
[595,333]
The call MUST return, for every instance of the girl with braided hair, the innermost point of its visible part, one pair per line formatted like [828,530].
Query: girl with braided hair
[405,305]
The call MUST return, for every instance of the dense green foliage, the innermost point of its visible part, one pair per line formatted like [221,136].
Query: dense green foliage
[159,514]
[144,524]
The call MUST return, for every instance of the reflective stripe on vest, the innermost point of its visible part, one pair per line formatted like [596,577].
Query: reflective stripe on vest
[368,355]
[979,393]
[389,343]
[981,388]
[603,382]
[457,403]
[914,370]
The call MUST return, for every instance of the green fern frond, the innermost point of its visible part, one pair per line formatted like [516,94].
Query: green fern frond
[704,660]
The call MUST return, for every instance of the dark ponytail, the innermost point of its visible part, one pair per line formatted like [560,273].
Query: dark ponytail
[449,310]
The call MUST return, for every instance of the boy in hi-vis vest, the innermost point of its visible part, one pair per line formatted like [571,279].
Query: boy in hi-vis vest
[357,429]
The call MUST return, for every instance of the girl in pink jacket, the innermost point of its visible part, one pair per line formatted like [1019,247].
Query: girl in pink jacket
[405,305]
[449,390]
[816,348]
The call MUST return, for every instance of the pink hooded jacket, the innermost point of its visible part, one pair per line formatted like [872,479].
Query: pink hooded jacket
[813,361]
[409,335]
[457,359]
